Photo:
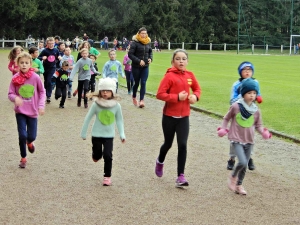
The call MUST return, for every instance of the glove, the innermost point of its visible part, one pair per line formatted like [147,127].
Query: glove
[259,99]
[266,134]
[222,132]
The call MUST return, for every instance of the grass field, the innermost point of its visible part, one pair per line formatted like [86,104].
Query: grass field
[216,72]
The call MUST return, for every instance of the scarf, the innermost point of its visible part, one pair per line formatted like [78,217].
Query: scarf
[20,78]
[246,110]
[144,41]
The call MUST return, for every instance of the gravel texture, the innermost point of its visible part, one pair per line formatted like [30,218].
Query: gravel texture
[62,185]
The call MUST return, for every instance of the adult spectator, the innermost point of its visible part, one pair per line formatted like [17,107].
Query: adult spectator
[140,53]
[106,43]
[85,37]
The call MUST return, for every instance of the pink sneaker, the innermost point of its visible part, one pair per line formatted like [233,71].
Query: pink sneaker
[135,102]
[31,147]
[181,181]
[159,168]
[142,104]
[106,181]
[232,182]
[240,190]
[23,162]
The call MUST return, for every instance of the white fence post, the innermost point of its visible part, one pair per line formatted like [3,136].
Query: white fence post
[238,48]
[210,46]
[169,46]
[281,49]
[252,48]
[224,47]
[15,43]
[196,46]
[2,42]
[182,45]
[267,48]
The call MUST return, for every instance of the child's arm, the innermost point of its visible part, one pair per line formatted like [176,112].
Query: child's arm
[87,121]
[13,96]
[42,96]
[93,69]
[40,67]
[104,70]
[74,71]
[121,71]
[196,91]
[11,67]
[163,91]
[120,123]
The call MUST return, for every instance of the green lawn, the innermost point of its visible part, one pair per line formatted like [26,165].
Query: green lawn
[216,72]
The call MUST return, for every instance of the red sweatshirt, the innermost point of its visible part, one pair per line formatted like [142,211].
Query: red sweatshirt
[174,82]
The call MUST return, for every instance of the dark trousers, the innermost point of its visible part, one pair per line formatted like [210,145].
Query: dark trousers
[129,80]
[140,75]
[47,80]
[83,86]
[61,92]
[181,127]
[103,147]
[92,83]
[27,129]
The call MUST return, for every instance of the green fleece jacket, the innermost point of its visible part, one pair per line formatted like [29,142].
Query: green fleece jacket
[36,63]
[107,113]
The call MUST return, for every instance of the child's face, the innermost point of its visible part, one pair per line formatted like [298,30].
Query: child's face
[84,54]
[247,72]
[112,55]
[41,45]
[180,61]
[250,97]
[93,59]
[67,51]
[65,68]
[24,64]
[62,47]
[18,51]
[50,44]
[106,94]
[35,54]
[85,45]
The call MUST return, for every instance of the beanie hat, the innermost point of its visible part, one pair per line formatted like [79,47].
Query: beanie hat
[248,85]
[107,84]
[243,65]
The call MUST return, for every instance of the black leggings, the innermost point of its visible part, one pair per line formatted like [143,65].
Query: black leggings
[107,144]
[170,126]
[83,85]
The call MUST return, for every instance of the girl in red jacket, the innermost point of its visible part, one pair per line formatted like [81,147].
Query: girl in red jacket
[14,52]
[174,89]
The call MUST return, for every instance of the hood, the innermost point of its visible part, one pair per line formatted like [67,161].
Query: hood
[106,103]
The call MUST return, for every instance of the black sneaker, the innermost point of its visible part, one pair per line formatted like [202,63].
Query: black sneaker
[230,164]
[48,100]
[251,164]
[61,106]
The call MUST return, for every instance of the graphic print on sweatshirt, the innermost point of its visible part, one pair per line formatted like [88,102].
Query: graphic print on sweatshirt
[26,91]
[106,117]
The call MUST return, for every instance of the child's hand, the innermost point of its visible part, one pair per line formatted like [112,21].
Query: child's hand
[36,69]
[192,99]
[266,134]
[59,57]
[222,132]
[41,112]
[18,101]
[182,95]
[259,99]
[44,57]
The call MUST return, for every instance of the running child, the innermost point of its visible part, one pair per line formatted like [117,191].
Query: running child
[174,89]
[107,113]
[37,65]
[13,65]
[61,80]
[127,69]
[70,58]
[245,117]
[27,92]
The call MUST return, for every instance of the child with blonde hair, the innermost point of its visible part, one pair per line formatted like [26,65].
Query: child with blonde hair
[107,113]
[27,92]
[13,65]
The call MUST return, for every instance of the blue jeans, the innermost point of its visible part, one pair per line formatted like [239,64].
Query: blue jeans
[27,129]
[129,80]
[140,75]
[47,80]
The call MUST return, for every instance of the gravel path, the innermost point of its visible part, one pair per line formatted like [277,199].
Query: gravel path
[62,185]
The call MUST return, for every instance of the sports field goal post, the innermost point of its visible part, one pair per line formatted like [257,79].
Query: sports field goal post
[292,43]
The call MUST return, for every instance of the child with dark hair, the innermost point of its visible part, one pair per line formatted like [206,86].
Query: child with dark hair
[245,118]
[245,70]
[70,58]
[37,65]
[127,69]
[61,80]
[93,75]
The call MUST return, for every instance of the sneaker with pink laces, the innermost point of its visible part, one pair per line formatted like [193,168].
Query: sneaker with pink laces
[240,190]
[181,181]
[31,147]
[135,102]
[23,162]
[159,168]
[106,181]
[232,182]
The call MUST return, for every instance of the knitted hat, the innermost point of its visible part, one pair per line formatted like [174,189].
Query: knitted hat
[243,65]
[248,85]
[107,84]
